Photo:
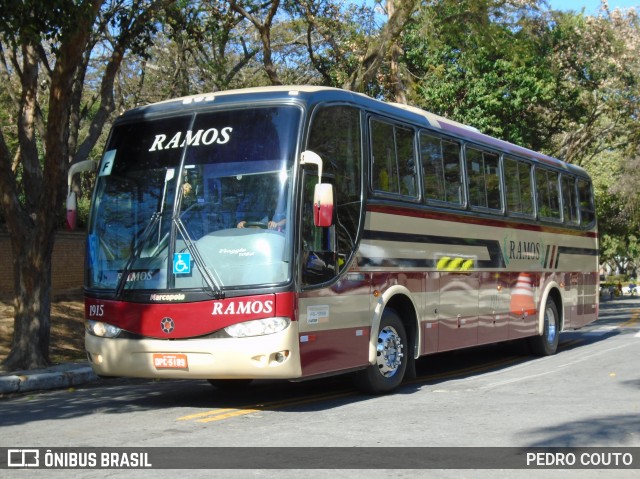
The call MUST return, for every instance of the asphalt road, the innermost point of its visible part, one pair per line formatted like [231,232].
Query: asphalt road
[587,395]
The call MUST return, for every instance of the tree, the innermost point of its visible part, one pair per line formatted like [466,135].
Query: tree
[46,51]
[598,60]
[29,220]
[342,43]
[484,63]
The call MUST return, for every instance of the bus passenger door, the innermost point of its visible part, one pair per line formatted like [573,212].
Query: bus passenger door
[458,311]
[334,317]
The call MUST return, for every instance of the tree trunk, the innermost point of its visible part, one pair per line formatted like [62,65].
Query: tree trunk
[32,303]
[395,76]
[379,48]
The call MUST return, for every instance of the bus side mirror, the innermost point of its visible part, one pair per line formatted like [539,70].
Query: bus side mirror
[323,205]
[322,194]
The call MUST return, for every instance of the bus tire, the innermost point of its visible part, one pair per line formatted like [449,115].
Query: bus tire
[546,344]
[387,372]
[230,384]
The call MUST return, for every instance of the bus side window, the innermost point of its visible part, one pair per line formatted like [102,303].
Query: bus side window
[442,170]
[587,209]
[517,176]
[384,156]
[452,172]
[406,162]
[483,173]
[492,180]
[569,200]
[475,177]
[394,161]
[432,167]
[548,195]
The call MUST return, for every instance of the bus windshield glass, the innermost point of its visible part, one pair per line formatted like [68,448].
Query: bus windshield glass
[194,202]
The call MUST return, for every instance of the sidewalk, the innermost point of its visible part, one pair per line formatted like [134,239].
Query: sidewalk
[67,331]
[53,377]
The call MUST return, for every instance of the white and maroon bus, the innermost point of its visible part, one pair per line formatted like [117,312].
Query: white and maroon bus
[298,232]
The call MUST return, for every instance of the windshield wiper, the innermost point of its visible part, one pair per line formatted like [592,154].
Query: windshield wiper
[210,277]
[155,217]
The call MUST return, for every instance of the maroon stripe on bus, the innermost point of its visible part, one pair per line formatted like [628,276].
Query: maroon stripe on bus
[512,223]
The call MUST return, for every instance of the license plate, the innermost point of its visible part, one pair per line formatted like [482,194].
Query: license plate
[170,361]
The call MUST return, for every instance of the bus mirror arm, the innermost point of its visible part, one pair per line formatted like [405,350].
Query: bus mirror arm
[308,157]
[322,193]
[72,204]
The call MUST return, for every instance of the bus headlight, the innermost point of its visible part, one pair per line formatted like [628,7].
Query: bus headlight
[103,330]
[257,327]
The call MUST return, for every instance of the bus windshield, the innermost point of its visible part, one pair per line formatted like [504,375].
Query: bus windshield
[199,201]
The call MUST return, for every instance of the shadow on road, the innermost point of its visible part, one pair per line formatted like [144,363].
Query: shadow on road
[603,430]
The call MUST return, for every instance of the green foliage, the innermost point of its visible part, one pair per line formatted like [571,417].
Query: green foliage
[493,74]
[33,20]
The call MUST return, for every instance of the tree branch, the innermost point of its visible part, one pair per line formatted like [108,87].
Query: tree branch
[264,29]
[378,50]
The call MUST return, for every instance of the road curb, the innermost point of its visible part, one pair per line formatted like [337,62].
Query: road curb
[55,377]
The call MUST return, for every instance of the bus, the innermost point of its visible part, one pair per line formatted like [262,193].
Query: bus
[298,232]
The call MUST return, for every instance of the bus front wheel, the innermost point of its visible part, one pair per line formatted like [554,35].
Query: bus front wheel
[546,344]
[387,372]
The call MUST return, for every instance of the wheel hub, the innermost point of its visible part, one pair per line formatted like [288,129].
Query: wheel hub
[389,351]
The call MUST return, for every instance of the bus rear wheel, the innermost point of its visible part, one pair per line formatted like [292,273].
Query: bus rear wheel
[546,344]
[387,372]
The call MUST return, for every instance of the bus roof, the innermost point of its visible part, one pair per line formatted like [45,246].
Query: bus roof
[313,94]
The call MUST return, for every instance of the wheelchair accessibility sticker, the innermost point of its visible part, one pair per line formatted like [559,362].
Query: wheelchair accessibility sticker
[182,263]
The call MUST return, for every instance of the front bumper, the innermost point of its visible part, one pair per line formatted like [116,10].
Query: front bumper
[219,358]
